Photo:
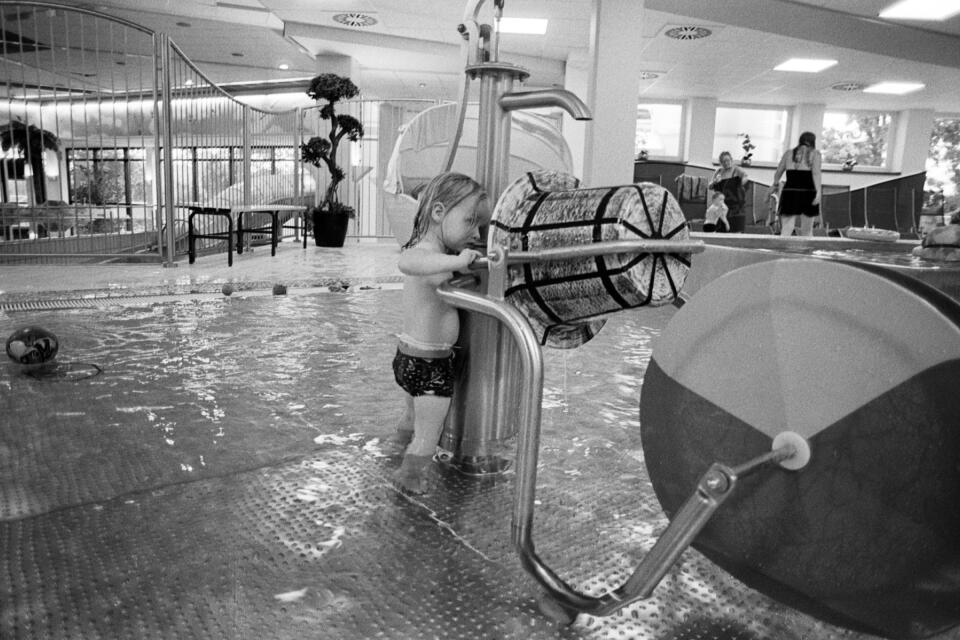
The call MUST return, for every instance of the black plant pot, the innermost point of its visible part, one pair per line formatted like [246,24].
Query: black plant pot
[330,228]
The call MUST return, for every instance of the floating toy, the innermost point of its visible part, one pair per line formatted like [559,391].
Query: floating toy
[874,235]
[32,346]
[940,243]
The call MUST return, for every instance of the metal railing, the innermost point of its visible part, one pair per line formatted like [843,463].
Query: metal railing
[109,123]
[714,487]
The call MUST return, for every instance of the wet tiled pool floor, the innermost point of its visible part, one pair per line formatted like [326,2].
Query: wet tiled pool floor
[316,544]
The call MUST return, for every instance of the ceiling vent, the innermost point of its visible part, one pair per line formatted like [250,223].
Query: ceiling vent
[688,33]
[848,86]
[355,19]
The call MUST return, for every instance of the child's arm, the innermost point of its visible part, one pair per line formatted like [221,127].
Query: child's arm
[420,262]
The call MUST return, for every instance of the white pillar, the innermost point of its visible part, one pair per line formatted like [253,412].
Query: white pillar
[911,141]
[701,125]
[807,117]
[345,66]
[576,80]
[614,87]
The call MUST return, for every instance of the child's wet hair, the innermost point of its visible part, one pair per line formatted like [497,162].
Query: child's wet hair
[449,189]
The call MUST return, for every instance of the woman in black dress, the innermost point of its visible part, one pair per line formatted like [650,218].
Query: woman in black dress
[800,197]
[731,181]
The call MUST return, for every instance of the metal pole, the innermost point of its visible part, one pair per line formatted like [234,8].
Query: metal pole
[247,178]
[166,124]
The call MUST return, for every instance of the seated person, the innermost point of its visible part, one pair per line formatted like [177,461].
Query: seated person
[716,216]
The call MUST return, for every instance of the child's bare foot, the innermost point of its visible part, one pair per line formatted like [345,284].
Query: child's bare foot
[411,476]
[396,443]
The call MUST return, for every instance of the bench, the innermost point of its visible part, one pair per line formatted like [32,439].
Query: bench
[275,211]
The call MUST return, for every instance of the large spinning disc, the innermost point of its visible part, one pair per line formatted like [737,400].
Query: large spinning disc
[864,364]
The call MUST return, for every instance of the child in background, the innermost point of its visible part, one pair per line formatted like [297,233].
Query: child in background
[716,216]
[450,211]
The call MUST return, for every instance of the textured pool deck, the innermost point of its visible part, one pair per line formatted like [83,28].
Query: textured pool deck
[315,543]
[358,261]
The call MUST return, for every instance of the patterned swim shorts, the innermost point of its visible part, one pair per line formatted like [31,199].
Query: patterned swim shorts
[420,376]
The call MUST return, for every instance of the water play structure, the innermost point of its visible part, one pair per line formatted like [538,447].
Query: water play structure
[783,420]
[421,151]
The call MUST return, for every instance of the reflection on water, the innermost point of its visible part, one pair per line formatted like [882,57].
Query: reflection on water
[205,387]
[198,388]
[278,402]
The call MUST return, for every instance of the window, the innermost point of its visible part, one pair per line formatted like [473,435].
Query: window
[859,136]
[658,129]
[943,164]
[107,176]
[766,128]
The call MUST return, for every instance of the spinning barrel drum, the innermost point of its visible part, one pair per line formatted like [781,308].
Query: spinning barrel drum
[564,299]
[863,363]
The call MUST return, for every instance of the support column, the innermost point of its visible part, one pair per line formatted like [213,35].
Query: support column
[911,142]
[701,125]
[613,90]
[344,66]
[807,117]
[576,80]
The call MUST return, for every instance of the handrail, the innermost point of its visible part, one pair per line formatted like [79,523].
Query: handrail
[590,250]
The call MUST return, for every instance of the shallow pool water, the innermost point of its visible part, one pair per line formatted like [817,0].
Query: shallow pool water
[221,478]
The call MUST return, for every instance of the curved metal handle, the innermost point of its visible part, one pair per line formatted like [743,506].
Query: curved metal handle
[714,487]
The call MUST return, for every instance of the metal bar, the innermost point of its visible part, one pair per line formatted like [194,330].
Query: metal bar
[166,126]
[598,249]
[713,488]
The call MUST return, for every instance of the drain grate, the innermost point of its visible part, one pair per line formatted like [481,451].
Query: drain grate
[210,292]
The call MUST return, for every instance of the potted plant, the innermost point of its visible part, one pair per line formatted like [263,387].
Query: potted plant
[748,148]
[330,218]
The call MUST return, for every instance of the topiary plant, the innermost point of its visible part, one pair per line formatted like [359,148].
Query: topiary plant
[328,89]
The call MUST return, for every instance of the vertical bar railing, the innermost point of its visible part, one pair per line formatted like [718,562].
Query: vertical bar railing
[165,152]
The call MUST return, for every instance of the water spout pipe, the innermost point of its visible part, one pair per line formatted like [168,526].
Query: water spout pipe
[562,98]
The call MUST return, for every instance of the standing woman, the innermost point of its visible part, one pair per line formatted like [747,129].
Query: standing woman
[731,181]
[800,197]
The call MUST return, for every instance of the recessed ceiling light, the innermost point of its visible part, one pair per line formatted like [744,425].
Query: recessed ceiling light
[688,33]
[355,19]
[921,10]
[805,65]
[895,88]
[283,66]
[524,26]
[848,86]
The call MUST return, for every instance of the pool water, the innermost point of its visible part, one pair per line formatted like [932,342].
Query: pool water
[221,478]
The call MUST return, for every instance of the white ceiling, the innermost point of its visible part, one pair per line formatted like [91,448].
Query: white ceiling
[414,49]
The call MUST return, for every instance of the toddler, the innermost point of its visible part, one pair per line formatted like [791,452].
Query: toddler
[451,208]
[716,216]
